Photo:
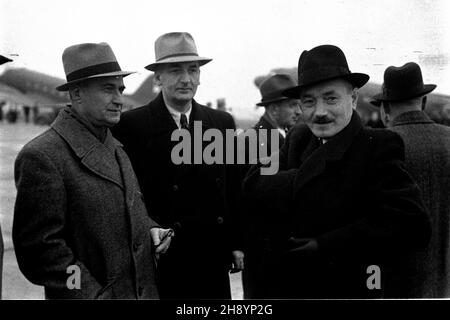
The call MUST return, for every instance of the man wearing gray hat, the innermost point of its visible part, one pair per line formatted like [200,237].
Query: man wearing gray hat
[194,198]
[425,274]
[328,242]
[80,227]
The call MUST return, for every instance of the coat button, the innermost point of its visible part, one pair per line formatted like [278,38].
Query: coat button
[175,187]
[219,220]
[177,225]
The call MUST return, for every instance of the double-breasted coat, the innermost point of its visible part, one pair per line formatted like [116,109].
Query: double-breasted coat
[196,200]
[353,196]
[79,204]
[426,274]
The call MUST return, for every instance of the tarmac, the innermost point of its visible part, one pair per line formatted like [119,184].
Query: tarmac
[15,286]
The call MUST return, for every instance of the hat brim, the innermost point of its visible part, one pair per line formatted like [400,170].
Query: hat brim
[201,61]
[356,79]
[4,60]
[266,102]
[66,86]
[427,88]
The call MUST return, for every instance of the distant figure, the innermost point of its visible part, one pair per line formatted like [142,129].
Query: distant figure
[35,111]
[26,112]
[280,113]
[2,103]
[80,227]
[330,239]
[425,274]
[198,200]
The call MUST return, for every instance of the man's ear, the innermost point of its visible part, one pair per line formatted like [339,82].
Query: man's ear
[424,102]
[75,93]
[355,94]
[157,79]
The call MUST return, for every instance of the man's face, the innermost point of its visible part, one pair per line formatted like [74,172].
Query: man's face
[100,100]
[287,112]
[178,81]
[327,107]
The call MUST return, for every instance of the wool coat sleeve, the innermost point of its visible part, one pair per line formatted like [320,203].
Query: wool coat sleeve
[39,226]
[400,222]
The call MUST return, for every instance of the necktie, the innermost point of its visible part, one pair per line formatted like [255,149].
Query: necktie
[184,122]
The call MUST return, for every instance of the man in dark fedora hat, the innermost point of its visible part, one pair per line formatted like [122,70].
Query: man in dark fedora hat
[80,227]
[343,201]
[196,200]
[2,61]
[281,113]
[424,274]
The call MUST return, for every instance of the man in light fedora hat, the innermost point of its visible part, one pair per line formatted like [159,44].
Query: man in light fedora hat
[328,242]
[80,227]
[197,200]
[424,274]
[2,61]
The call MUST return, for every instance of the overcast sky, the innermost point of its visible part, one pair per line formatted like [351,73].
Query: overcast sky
[245,38]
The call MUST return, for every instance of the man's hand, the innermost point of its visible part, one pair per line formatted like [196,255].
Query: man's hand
[161,239]
[238,261]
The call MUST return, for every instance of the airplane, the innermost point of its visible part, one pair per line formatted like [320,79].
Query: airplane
[21,86]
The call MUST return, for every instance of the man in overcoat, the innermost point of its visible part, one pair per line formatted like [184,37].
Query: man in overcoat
[81,228]
[194,198]
[342,203]
[2,61]
[424,274]
[280,114]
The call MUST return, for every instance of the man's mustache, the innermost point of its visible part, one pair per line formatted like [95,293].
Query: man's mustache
[321,120]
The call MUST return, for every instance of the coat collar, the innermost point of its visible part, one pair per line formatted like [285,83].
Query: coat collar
[161,121]
[315,156]
[411,117]
[96,156]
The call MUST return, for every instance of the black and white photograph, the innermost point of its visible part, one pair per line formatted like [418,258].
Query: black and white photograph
[242,152]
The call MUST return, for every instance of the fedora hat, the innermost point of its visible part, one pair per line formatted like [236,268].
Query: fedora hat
[272,87]
[322,63]
[89,60]
[176,47]
[4,59]
[403,83]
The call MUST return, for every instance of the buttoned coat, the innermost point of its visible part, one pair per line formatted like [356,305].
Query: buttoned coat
[197,200]
[79,204]
[426,274]
[353,196]
[255,271]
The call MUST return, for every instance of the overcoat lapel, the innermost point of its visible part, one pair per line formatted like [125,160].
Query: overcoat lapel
[315,158]
[95,156]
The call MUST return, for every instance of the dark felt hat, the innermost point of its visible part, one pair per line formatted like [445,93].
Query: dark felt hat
[272,87]
[323,63]
[4,60]
[403,83]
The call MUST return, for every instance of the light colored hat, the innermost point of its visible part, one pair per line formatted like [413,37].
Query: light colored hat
[176,47]
[89,60]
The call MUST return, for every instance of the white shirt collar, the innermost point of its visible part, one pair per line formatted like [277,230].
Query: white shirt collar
[176,115]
